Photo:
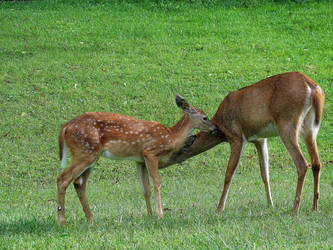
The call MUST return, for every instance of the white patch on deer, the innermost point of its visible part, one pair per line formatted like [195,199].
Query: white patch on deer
[85,169]
[308,123]
[64,156]
[80,181]
[141,178]
[109,155]
[268,131]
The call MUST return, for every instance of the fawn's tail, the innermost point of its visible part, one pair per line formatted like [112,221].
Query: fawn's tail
[62,147]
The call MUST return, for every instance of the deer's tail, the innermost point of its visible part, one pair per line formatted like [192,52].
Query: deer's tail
[318,99]
[62,147]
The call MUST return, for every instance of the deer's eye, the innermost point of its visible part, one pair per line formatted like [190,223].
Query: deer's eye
[205,118]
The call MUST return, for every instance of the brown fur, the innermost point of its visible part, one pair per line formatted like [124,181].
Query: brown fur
[278,101]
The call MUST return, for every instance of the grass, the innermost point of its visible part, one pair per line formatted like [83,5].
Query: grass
[62,58]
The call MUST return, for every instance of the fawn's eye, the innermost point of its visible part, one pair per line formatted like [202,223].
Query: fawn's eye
[205,118]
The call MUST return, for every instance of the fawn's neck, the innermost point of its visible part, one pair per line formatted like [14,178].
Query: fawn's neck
[181,131]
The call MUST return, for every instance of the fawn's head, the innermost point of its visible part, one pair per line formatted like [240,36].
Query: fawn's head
[197,117]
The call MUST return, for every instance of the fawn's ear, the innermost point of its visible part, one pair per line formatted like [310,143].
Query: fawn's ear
[184,105]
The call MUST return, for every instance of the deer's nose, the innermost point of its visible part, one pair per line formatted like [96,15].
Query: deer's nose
[214,129]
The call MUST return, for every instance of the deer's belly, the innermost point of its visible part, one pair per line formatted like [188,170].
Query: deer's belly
[109,155]
[268,131]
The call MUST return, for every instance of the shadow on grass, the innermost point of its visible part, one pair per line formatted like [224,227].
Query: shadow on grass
[29,226]
[180,219]
[173,219]
[194,217]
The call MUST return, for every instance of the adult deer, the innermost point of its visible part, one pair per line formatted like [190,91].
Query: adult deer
[90,135]
[282,105]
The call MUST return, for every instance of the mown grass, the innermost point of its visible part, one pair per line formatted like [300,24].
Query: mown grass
[62,58]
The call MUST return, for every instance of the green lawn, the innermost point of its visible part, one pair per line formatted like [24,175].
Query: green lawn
[62,58]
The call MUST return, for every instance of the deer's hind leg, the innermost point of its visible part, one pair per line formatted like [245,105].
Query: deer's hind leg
[309,132]
[78,167]
[288,131]
[80,187]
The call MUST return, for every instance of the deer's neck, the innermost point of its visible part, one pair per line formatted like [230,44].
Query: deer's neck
[181,131]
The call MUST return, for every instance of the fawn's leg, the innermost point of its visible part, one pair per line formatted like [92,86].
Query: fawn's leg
[152,166]
[144,179]
[80,187]
[77,167]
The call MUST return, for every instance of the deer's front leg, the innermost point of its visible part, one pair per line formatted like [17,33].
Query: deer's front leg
[144,179]
[237,148]
[152,167]
[261,146]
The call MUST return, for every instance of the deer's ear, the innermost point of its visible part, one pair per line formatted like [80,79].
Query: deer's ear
[183,104]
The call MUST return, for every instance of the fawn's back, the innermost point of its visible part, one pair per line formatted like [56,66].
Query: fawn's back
[115,136]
